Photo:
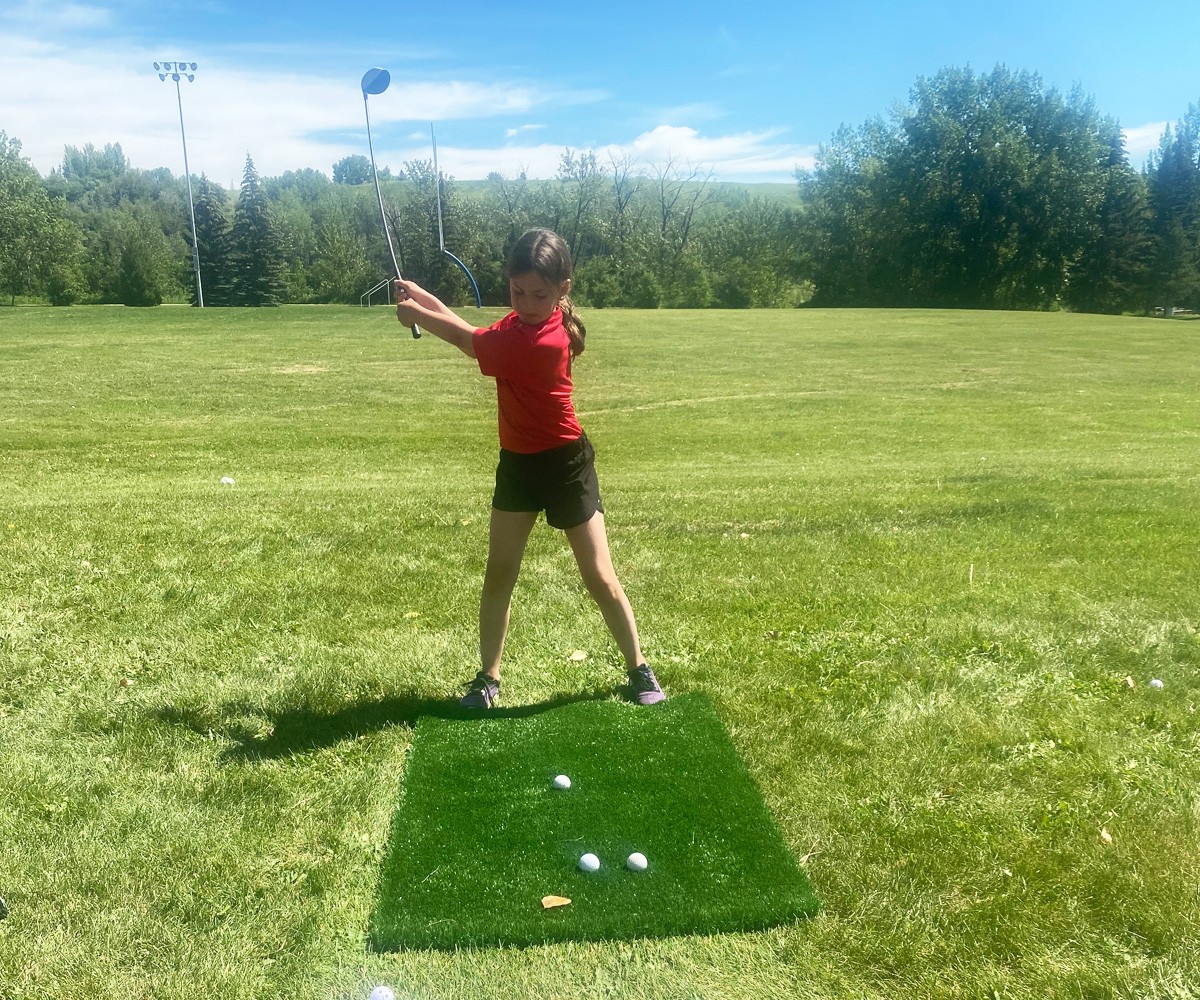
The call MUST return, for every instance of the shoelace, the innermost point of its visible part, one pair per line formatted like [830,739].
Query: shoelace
[643,679]
[482,684]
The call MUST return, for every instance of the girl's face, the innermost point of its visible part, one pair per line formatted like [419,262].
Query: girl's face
[534,298]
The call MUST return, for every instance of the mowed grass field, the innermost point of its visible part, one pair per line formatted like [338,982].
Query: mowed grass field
[925,564]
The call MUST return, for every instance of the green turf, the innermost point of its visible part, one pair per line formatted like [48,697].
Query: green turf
[482,834]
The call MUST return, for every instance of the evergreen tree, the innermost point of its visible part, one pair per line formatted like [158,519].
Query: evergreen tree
[256,255]
[1174,182]
[214,238]
[1112,274]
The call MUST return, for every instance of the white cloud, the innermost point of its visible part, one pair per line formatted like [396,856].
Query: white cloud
[1142,140]
[466,163]
[443,101]
[52,96]
[745,156]
[740,155]
[284,121]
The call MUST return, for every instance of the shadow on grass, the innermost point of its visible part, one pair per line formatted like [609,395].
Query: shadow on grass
[259,733]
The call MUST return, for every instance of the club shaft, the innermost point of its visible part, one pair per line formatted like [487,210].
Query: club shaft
[437,180]
[416,330]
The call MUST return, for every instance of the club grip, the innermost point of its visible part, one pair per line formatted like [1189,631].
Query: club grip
[416,332]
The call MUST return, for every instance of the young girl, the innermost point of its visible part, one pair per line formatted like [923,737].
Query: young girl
[546,461]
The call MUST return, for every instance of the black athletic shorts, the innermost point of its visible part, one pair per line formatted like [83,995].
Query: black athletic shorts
[560,481]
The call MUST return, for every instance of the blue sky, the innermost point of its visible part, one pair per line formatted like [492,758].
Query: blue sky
[745,90]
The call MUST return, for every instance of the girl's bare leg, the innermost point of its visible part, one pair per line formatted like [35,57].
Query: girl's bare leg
[506,547]
[589,542]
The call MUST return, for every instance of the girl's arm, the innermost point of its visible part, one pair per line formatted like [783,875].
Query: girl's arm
[414,305]
[411,290]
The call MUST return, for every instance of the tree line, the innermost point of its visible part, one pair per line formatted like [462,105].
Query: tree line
[98,230]
[993,191]
[981,191]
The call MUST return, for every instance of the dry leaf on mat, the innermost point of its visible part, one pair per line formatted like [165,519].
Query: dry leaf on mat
[550,902]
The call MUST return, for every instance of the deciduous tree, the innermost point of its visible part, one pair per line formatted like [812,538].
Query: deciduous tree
[39,248]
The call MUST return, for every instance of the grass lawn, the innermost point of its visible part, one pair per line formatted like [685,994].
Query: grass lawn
[924,564]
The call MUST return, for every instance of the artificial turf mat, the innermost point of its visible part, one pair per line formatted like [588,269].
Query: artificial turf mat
[482,835]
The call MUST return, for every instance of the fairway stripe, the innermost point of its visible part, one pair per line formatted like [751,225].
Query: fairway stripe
[698,400]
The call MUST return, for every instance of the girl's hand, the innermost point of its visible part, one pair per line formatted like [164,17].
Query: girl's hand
[410,290]
[408,309]
[416,307]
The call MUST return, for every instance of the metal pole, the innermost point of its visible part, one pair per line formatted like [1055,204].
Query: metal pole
[175,69]
[191,208]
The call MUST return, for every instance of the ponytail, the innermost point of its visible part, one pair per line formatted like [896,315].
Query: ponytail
[576,331]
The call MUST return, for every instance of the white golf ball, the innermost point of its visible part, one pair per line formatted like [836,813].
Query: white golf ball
[382,993]
[589,863]
[1156,684]
[637,862]
[562,781]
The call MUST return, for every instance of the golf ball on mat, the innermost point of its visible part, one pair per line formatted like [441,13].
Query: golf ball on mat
[589,863]
[637,862]
[1156,683]
[562,781]
[382,993]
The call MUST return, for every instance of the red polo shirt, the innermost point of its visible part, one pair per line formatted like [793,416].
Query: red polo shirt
[532,369]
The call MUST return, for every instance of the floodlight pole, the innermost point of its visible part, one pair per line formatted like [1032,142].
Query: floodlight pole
[175,70]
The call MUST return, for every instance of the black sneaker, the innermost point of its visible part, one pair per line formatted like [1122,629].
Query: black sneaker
[482,692]
[643,686]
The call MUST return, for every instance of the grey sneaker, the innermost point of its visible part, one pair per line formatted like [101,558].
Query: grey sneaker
[643,686]
[482,692]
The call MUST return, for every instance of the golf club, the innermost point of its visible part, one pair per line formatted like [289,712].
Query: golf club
[375,81]
[437,175]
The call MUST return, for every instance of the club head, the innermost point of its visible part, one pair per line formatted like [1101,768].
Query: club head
[375,81]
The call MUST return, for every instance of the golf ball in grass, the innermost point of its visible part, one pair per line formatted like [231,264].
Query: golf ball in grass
[382,993]
[636,862]
[589,863]
[562,781]
[1156,684]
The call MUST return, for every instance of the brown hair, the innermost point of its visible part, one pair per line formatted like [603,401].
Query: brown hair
[543,252]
